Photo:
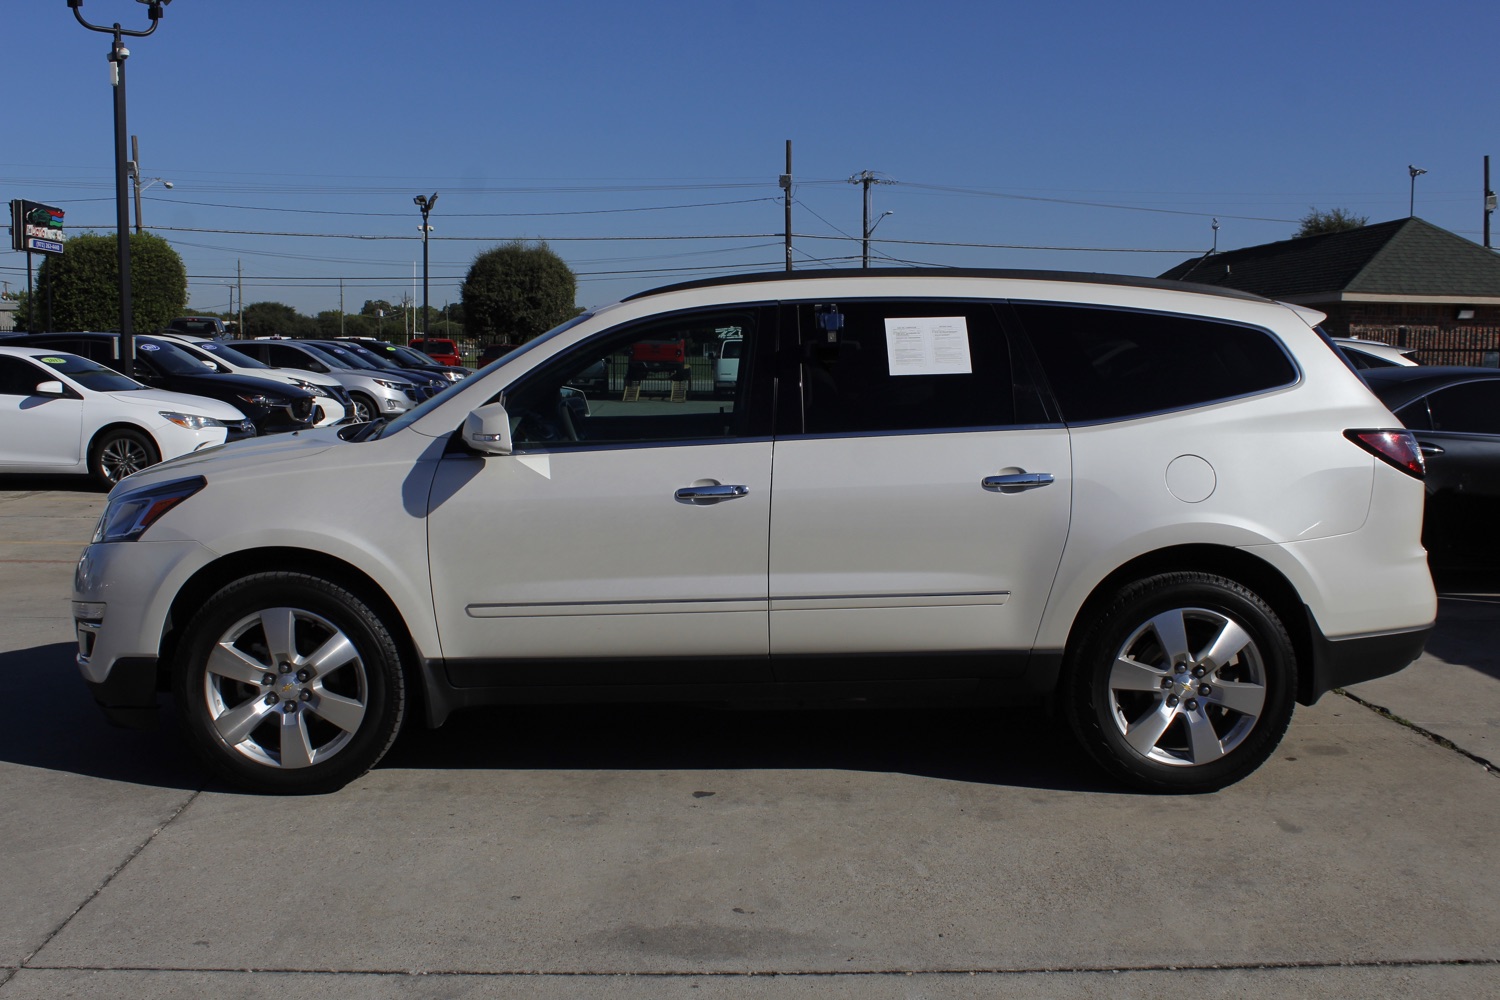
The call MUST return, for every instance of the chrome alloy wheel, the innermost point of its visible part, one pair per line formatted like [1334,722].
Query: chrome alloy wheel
[1187,687]
[285,688]
[122,455]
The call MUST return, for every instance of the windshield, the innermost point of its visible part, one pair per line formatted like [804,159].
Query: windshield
[170,358]
[229,355]
[88,374]
[368,356]
[407,356]
[506,359]
[343,358]
[421,409]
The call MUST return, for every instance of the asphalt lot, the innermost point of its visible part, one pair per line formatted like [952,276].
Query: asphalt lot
[630,853]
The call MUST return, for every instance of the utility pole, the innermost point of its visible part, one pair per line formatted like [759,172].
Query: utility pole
[239,270]
[786,187]
[866,179]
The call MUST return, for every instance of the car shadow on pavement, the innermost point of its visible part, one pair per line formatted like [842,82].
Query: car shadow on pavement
[71,484]
[1468,623]
[48,720]
[1019,747]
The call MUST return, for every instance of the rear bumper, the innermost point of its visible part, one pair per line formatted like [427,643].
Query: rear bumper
[1352,659]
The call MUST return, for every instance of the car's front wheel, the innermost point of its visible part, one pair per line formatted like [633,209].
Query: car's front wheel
[1185,683]
[118,452]
[365,408]
[289,683]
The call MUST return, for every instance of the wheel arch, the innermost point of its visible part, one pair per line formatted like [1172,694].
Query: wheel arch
[120,425]
[213,577]
[1235,564]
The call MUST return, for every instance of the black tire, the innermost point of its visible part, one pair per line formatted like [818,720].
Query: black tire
[1185,683]
[118,452]
[305,718]
[365,408]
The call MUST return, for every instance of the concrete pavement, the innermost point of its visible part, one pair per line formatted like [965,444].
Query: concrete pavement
[640,852]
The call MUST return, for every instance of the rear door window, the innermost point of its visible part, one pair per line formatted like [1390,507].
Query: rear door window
[1113,364]
[871,366]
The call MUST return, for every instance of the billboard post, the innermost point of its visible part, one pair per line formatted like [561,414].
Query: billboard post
[34,228]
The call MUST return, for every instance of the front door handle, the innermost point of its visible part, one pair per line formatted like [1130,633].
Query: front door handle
[711,494]
[1017,481]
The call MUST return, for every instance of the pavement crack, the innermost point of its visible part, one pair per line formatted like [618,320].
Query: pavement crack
[1441,741]
[108,879]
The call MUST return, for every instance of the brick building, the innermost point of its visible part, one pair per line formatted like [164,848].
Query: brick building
[1405,282]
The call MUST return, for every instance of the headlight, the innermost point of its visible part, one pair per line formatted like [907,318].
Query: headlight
[398,386]
[127,516]
[191,421]
[256,399]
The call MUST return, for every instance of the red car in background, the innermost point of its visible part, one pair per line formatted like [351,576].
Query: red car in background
[442,351]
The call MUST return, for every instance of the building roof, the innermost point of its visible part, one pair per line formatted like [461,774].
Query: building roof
[1405,258]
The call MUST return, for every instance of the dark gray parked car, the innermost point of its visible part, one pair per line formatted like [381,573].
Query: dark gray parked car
[1455,415]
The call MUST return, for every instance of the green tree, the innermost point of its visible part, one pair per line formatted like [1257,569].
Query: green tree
[274,319]
[82,284]
[515,292]
[1335,220]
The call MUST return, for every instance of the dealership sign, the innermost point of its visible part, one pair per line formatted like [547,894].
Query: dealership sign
[35,228]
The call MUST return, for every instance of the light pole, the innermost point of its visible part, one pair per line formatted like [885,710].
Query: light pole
[870,230]
[1415,172]
[424,204]
[134,166]
[118,53]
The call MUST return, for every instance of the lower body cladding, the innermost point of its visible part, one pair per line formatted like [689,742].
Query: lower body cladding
[291,682]
[990,677]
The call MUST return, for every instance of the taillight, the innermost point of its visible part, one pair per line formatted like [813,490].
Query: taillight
[1398,448]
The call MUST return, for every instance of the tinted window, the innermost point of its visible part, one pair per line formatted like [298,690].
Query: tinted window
[889,365]
[1108,364]
[1473,407]
[89,374]
[19,378]
[643,383]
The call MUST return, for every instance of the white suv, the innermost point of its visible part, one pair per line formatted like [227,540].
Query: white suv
[1173,510]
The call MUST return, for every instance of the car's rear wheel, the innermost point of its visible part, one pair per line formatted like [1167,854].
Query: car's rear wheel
[118,452]
[1185,683]
[289,683]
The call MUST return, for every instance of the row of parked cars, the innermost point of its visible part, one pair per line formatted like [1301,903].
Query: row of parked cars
[67,407]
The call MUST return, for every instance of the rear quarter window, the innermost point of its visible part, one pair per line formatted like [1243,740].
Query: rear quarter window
[1112,364]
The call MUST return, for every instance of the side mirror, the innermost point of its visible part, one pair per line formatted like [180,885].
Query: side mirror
[49,388]
[487,430]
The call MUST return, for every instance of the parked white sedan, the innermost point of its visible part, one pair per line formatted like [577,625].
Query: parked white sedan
[60,413]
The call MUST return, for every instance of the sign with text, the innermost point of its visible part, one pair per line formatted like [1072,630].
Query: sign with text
[36,228]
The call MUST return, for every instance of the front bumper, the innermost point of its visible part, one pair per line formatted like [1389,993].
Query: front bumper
[120,625]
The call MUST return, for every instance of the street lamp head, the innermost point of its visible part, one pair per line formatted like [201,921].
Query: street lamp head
[1415,171]
[167,185]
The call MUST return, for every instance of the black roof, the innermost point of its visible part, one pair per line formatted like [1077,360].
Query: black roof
[1402,257]
[1400,385]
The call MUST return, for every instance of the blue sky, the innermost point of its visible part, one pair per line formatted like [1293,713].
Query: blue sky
[297,134]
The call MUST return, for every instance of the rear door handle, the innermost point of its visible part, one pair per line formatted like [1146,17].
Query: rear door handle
[711,494]
[1431,449]
[1017,481]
